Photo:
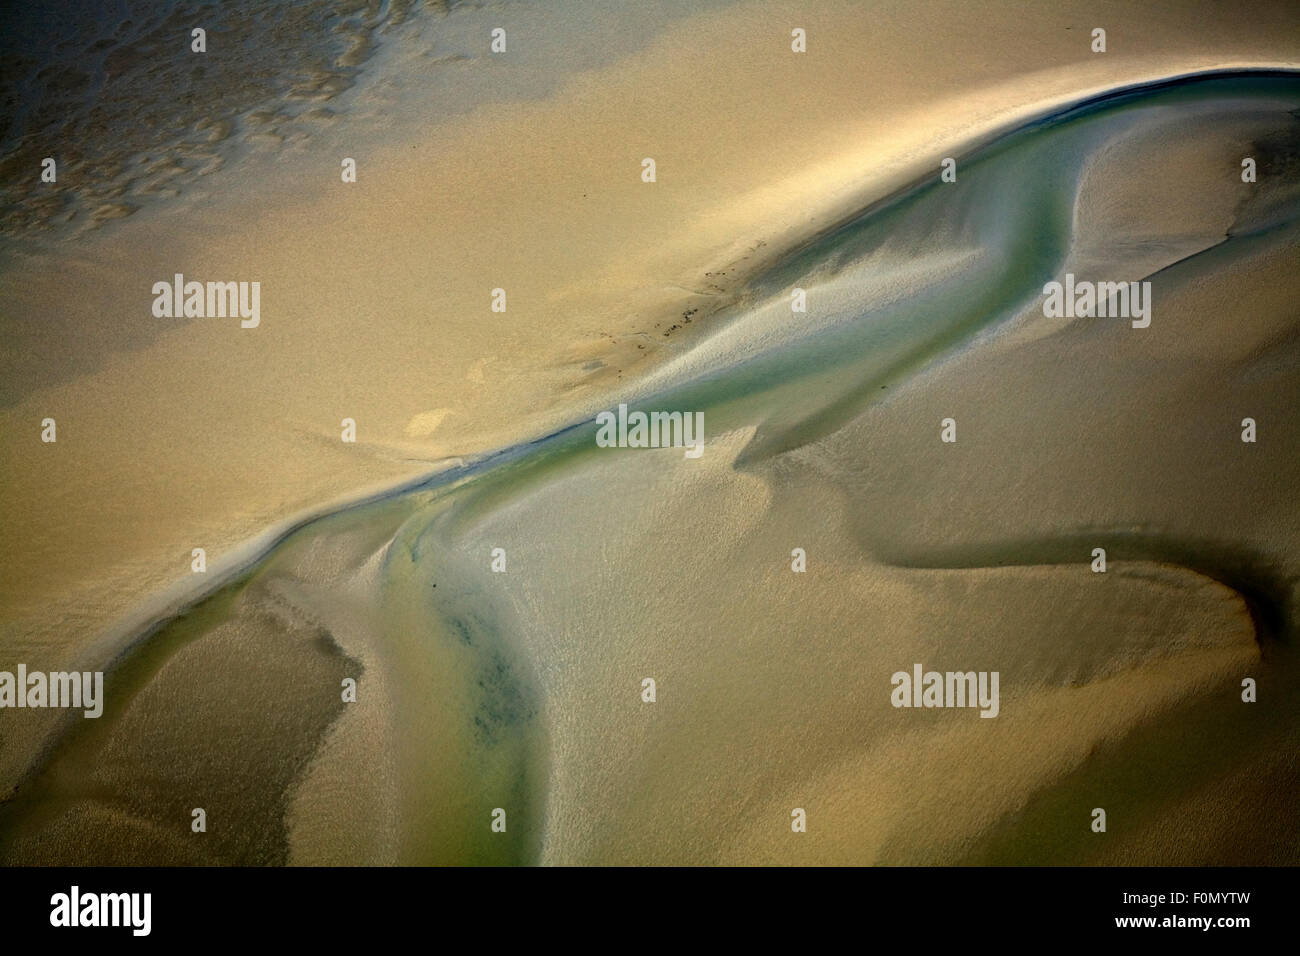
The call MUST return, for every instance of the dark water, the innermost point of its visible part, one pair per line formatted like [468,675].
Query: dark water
[112,90]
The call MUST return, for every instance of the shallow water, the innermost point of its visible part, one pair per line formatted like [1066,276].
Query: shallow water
[113,90]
